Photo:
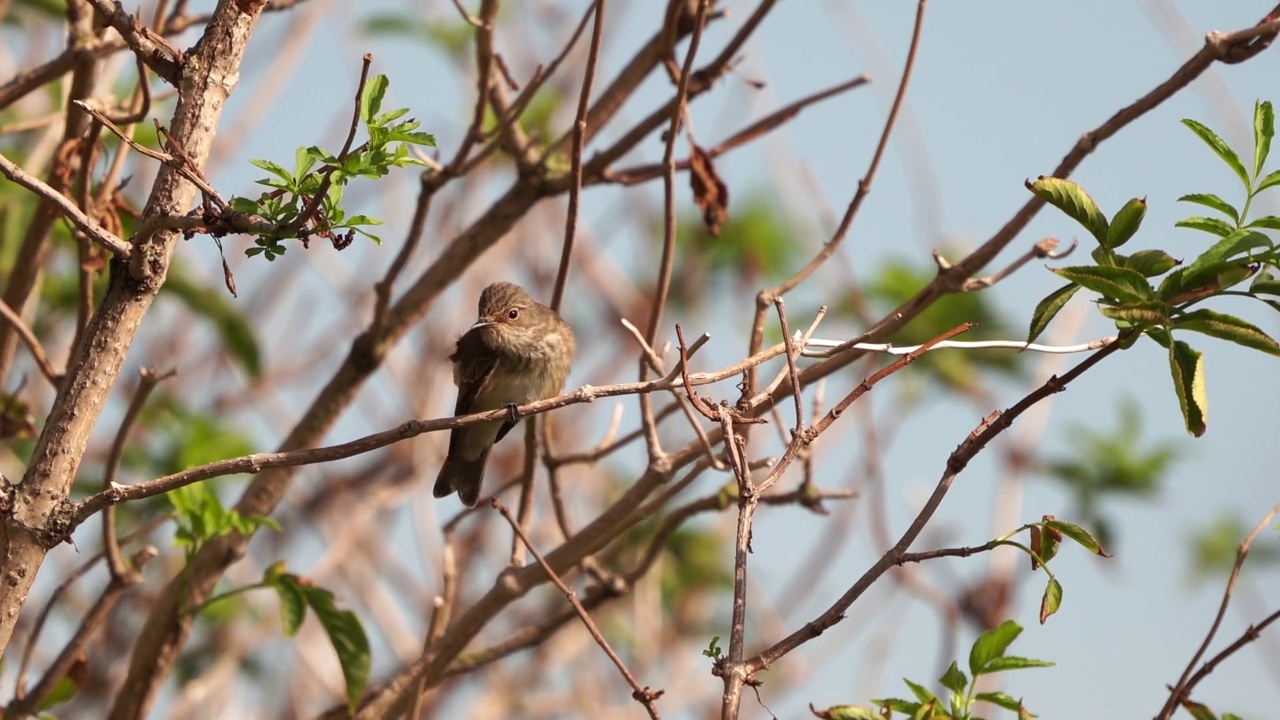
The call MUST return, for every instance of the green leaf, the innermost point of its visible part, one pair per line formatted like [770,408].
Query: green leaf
[991,645]
[898,705]
[1265,284]
[1219,146]
[1264,128]
[293,606]
[1047,308]
[1111,282]
[1079,534]
[274,169]
[303,161]
[1270,222]
[851,712]
[1051,600]
[921,692]
[1187,366]
[1214,226]
[1126,222]
[1210,200]
[371,99]
[348,638]
[1236,243]
[1227,327]
[1271,180]
[1010,662]
[1071,199]
[1150,263]
[245,205]
[1143,313]
[999,699]
[954,679]
[1198,711]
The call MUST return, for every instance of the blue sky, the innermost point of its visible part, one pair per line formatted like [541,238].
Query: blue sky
[1002,90]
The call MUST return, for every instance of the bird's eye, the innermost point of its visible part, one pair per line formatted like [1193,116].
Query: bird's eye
[513,313]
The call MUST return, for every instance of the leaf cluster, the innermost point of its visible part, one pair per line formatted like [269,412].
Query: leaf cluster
[988,656]
[307,201]
[1240,250]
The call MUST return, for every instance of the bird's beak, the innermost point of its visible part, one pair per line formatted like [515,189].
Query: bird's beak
[481,323]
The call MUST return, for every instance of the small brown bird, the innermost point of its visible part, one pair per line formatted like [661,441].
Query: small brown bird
[517,352]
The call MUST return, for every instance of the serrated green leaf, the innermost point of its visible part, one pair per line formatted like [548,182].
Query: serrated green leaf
[245,205]
[371,99]
[1221,148]
[1111,282]
[999,699]
[1187,366]
[898,705]
[1210,200]
[1151,263]
[303,161]
[1271,180]
[348,638]
[1077,533]
[851,712]
[1238,242]
[1051,600]
[1227,327]
[921,692]
[954,679]
[1071,199]
[1264,128]
[272,168]
[990,645]
[1214,226]
[1047,308]
[1143,313]
[1011,662]
[1270,222]
[1126,222]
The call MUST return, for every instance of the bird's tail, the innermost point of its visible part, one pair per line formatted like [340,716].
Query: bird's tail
[461,475]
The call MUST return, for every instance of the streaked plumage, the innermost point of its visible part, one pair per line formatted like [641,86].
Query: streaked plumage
[517,352]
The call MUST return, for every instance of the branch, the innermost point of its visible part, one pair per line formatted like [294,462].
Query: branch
[645,696]
[982,435]
[575,156]
[164,59]
[1182,689]
[92,230]
[32,342]
[766,297]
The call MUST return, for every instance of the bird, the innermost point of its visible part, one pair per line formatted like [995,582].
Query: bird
[518,351]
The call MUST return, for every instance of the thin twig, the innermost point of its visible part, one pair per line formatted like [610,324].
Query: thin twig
[766,297]
[82,222]
[669,224]
[575,156]
[322,191]
[979,438]
[33,344]
[147,381]
[643,695]
[1182,689]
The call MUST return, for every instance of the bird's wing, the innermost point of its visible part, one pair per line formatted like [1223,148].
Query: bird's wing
[473,374]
